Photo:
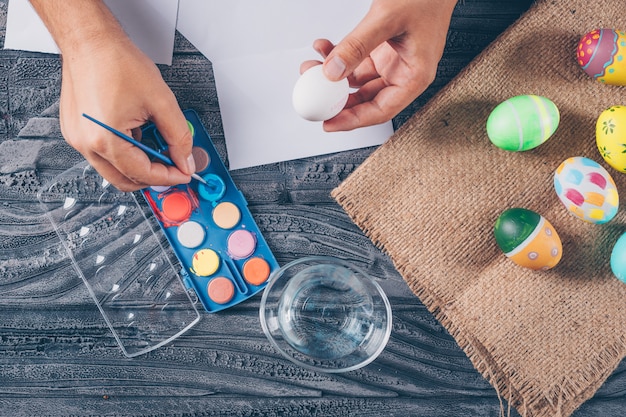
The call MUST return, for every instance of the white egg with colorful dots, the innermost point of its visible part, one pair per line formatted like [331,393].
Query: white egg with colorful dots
[586,190]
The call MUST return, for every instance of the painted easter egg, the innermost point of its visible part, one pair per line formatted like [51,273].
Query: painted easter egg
[586,190]
[611,136]
[528,239]
[618,259]
[601,54]
[522,122]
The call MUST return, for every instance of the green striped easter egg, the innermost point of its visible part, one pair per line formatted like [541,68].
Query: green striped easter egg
[522,122]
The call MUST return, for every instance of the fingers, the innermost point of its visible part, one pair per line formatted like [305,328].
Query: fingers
[122,177]
[374,103]
[126,166]
[323,47]
[379,97]
[171,123]
[123,164]
[375,28]
[113,175]
[364,73]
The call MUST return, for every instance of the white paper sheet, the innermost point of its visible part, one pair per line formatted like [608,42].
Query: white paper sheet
[256,49]
[151,24]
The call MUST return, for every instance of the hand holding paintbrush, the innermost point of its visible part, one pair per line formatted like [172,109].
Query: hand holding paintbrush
[151,152]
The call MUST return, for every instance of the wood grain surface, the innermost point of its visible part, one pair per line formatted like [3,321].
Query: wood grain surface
[58,358]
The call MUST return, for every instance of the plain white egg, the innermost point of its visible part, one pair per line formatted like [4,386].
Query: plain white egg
[316,98]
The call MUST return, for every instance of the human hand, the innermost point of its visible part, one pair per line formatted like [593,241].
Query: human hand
[391,57]
[106,76]
[121,87]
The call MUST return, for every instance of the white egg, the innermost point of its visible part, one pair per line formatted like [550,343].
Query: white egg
[316,98]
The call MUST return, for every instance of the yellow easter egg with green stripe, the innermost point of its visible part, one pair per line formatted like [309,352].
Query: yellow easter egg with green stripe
[522,122]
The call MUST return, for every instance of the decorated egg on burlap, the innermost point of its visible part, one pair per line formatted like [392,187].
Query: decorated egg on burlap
[528,239]
[601,54]
[522,122]
[618,259]
[611,136]
[586,189]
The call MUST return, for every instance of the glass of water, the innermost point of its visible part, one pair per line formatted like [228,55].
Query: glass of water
[325,314]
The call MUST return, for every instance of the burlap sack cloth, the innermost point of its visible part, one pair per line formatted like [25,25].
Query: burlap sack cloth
[429,198]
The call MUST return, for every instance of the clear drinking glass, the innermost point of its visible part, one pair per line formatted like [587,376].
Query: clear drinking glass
[325,314]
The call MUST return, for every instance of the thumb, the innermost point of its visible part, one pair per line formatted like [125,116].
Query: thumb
[347,55]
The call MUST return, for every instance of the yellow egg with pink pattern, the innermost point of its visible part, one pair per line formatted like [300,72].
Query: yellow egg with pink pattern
[586,190]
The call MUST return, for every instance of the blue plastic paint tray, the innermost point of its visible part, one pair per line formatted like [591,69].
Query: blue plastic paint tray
[224,255]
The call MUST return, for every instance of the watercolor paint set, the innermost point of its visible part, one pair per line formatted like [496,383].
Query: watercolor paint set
[224,255]
[148,257]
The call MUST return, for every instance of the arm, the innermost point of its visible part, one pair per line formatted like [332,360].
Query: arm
[106,76]
[392,56]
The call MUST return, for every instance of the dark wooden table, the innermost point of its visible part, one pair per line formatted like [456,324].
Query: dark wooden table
[57,356]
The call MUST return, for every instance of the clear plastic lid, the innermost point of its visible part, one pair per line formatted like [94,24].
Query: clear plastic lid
[121,259]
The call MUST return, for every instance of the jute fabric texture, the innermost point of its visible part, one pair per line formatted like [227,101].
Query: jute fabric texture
[430,195]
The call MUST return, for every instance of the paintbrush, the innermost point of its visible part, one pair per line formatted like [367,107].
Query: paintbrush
[165,159]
